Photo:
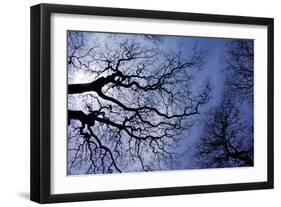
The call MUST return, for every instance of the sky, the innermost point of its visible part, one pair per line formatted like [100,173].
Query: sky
[213,70]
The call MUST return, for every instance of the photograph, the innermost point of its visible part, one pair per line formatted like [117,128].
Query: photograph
[152,102]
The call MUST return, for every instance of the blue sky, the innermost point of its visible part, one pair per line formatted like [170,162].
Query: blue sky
[213,71]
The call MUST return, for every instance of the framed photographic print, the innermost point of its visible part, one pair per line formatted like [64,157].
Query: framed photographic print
[132,103]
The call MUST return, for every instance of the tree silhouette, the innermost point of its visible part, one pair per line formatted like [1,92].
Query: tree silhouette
[239,59]
[131,104]
[227,139]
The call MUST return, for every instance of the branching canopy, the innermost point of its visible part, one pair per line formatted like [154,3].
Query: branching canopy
[131,104]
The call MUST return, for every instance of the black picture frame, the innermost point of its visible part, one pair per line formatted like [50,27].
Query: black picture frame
[41,95]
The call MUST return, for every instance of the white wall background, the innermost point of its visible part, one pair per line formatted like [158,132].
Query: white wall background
[14,103]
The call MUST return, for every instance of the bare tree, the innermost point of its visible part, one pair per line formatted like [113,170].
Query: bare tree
[239,59]
[227,140]
[139,100]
